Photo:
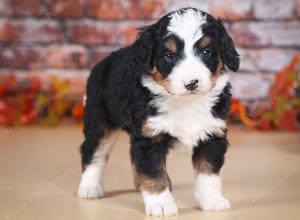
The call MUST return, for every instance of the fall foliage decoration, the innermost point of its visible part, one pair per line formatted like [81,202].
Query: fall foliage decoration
[33,104]
[28,102]
[283,111]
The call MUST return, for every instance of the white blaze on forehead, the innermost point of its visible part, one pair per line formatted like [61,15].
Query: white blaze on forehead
[187,25]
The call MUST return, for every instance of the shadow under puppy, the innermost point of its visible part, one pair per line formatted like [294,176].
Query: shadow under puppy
[170,85]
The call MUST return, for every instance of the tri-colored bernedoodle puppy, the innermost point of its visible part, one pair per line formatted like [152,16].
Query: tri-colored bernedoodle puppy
[170,85]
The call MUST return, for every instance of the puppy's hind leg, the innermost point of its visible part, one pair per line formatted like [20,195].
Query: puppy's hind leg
[91,186]
[99,138]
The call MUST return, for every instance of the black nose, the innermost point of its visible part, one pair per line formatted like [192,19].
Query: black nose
[192,85]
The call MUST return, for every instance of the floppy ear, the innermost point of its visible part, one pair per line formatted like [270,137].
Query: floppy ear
[145,44]
[229,55]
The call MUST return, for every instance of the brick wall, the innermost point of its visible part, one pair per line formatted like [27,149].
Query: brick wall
[67,37]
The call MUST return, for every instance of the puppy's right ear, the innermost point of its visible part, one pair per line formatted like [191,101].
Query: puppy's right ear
[146,43]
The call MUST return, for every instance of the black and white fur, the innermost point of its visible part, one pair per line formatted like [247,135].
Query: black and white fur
[177,94]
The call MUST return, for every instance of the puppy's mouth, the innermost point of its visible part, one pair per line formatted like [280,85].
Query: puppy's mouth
[193,93]
[188,94]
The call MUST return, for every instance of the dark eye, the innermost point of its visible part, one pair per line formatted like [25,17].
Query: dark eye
[206,53]
[170,57]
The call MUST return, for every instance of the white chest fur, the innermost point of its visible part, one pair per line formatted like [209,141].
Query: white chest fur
[189,119]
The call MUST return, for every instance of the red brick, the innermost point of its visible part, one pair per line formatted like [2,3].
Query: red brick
[129,34]
[4,9]
[26,7]
[273,60]
[22,57]
[90,32]
[66,8]
[69,57]
[298,8]
[9,33]
[270,9]
[248,61]
[77,79]
[267,33]
[266,60]
[38,31]
[231,9]
[250,86]
[150,9]
[107,9]
[29,30]
[98,54]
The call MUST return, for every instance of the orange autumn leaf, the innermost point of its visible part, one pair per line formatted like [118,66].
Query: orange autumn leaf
[1,90]
[8,85]
[36,84]
[282,83]
[264,125]
[8,114]
[288,120]
[77,112]
[29,117]
[238,108]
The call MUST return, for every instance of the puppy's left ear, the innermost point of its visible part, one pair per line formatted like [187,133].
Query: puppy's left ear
[229,54]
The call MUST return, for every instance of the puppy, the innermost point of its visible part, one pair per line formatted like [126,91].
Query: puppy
[170,85]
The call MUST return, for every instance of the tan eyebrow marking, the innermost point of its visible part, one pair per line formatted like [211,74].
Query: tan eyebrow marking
[171,45]
[204,41]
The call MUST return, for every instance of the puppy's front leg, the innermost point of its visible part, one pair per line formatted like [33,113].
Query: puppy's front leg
[208,158]
[151,176]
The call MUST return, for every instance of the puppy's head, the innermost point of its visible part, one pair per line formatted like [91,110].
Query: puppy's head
[189,51]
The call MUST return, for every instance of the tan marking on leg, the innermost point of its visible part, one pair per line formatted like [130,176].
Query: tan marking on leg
[151,185]
[202,166]
[107,135]
[154,185]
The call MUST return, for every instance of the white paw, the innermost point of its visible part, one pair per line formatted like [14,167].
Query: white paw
[160,204]
[213,203]
[208,193]
[90,185]
[90,192]
[161,209]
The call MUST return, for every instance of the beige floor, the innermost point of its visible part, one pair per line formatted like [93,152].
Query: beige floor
[39,173]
